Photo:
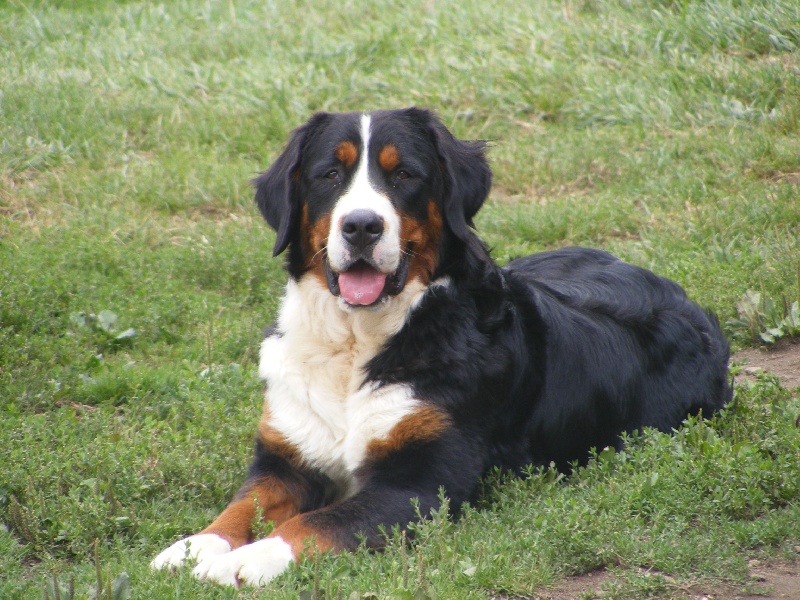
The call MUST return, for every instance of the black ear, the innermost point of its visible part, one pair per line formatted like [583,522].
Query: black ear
[468,178]
[275,191]
[275,188]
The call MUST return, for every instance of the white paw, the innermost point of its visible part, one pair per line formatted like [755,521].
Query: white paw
[253,564]
[199,547]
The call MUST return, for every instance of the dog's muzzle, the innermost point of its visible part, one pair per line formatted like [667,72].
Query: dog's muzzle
[362,282]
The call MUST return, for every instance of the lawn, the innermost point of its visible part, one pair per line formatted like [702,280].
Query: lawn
[136,275]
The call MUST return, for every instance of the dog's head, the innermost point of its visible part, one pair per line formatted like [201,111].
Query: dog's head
[366,202]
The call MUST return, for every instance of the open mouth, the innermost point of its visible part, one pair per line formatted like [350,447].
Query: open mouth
[361,284]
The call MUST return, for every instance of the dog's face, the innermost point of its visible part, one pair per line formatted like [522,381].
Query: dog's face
[367,202]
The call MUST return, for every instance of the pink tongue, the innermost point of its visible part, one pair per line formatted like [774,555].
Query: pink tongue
[361,285]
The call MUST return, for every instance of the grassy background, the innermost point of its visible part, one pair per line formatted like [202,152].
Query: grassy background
[666,132]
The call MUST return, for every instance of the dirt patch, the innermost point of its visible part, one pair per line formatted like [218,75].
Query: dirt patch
[776,581]
[780,581]
[782,359]
[579,587]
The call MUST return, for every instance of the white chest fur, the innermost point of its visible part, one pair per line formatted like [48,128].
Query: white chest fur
[314,369]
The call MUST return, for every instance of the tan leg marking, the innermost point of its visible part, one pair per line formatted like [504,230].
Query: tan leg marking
[235,523]
[303,538]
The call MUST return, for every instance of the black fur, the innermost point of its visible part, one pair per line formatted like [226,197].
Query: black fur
[574,348]
[467,177]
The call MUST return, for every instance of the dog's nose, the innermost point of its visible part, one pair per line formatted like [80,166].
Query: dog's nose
[362,227]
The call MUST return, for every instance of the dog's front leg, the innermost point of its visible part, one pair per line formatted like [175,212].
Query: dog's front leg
[391,478]
[267,495]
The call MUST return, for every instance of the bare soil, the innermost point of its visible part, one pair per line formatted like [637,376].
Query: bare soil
[782,359]
[778,581]
[767,581]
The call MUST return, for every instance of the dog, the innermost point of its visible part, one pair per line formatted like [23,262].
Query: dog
[404,360]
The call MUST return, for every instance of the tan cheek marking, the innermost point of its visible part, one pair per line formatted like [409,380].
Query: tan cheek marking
[388,157]
[424,237]
[235,523]
[347,153]
[315,238]
[425,424]
[434,221]
[303,538]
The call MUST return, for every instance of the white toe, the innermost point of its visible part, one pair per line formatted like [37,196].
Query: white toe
[220,569]
[199,547]
[255,564]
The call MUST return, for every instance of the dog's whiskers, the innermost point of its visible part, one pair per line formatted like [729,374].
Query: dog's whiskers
[320,251]
[407,250]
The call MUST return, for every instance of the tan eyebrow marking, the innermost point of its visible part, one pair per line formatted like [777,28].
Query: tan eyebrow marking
[347,153]
[389,157]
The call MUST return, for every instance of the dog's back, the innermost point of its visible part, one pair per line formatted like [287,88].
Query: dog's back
[626,349]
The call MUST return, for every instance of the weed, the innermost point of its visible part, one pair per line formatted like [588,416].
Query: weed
[118,589]
[765,320]
[260,527]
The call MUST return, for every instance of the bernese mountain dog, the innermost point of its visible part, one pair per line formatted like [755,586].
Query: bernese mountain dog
[404,360]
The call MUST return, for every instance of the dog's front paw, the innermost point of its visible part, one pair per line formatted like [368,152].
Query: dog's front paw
[199,547]
[254,564]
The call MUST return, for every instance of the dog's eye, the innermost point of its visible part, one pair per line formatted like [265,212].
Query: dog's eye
[400,176]
[333,175]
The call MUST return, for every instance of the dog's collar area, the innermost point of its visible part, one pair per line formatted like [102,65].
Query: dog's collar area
[393,282]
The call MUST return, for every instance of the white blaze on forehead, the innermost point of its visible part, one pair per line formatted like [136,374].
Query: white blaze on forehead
[362,194]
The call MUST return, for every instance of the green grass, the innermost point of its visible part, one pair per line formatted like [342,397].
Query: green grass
[666,132]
